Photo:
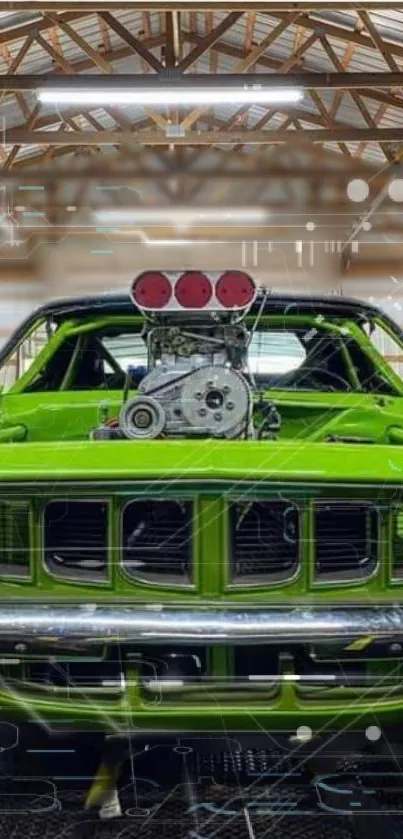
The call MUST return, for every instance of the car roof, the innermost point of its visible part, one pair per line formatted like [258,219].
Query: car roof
[121,304]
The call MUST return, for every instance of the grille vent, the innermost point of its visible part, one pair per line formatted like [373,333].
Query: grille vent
[265,541]
[346,540]
[14,539]
[157,541]
[397,543]
[76,543]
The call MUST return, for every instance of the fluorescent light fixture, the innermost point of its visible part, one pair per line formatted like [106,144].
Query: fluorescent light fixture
[252,95]
[167,243]
[177,216]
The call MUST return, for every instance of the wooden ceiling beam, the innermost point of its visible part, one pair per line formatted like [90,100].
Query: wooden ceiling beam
[97,59]
[269,6]
[28,128]
[388,153]
[379,43]
[207,121]
[135,44]
[13,65]
[99,174]
[134,81]
[341,33]
[208,41]
[42,24]
[105,34]
[377,95]
[286,67]
[80,66]
[54,54]
[346,134]
[326,118]
[170,57]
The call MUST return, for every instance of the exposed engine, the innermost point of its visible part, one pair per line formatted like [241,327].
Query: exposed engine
[195,386]
[197,345]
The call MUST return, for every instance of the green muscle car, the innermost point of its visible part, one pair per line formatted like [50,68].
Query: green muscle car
[201,511]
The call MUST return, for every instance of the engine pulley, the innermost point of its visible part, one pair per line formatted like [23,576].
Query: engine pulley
[142,418]
[215,400]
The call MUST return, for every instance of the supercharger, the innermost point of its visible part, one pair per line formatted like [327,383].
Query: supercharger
[196,386]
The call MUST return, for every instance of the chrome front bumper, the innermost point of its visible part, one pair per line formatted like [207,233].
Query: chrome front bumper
[86,624]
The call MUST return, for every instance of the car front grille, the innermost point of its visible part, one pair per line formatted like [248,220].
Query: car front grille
[283,546]
[166,542]
[168,675]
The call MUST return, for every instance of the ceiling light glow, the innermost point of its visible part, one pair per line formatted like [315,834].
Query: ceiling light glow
[182,215]
[253,95]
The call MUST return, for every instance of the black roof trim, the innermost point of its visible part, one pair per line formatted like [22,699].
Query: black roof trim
[122,304]
[275,303]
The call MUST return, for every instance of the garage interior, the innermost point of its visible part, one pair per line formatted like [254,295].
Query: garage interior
[307,195]
[263,136]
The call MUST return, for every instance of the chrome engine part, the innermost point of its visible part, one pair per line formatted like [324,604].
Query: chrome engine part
[142,418]
[211,400]
[194,385]
[195,381]
[217,399]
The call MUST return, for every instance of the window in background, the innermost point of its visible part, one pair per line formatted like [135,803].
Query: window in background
[21,359]
[275,352]
[128,349]
[388,346]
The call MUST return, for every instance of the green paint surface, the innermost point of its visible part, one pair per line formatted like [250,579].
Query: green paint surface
[46,453]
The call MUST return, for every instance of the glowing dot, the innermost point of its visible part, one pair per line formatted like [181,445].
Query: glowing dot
[71,208]
[304,733]
[395,190]
[310,225]
[366,225]
[357,190]
[373,733]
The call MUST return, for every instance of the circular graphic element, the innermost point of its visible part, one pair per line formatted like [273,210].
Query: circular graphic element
[304,733]
[373,733]
[310,225]
[395,189]
[357,190]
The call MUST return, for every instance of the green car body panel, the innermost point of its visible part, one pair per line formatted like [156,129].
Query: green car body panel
[333,446]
